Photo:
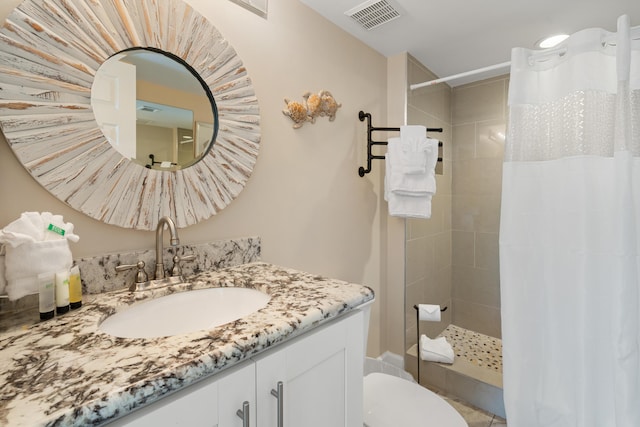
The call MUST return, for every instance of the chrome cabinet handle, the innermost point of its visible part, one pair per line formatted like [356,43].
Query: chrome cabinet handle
[278,394]
[244,414]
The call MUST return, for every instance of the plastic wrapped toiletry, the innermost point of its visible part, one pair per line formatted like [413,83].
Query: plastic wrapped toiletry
[75,288]
[62,292]
[46,295]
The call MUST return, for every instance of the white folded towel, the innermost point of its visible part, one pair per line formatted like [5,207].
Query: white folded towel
[37,227]
[24,262]
[403,177]
[436,350]
[412,149]
[408,206]
[28,228]
[34,243]
[410,183]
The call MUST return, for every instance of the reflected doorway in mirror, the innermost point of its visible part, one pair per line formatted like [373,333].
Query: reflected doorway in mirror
[144,101]
[204,131]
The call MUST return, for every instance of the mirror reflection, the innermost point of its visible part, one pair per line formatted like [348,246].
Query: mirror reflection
[153,109]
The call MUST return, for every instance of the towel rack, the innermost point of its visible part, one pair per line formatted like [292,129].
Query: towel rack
[370,129]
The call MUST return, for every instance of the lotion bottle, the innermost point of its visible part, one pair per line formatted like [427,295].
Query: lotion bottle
[62,292]
[75,288]
[46,295]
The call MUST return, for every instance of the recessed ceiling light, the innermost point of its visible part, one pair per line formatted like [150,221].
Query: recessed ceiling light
[551,41]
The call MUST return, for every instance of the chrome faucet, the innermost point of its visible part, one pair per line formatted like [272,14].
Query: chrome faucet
[175,241]
[142,281]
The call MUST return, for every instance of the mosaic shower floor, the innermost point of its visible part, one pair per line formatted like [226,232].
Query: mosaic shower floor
[476,348]
[474,377]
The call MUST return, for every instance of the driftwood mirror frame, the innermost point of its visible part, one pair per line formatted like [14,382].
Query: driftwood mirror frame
[49,53]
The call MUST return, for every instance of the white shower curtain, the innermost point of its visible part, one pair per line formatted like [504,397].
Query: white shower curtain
[570,233]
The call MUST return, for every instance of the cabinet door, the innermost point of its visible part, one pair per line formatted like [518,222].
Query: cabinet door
[321,374]
[212,402]
[233,391]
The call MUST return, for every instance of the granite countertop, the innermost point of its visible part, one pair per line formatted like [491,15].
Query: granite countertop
[65,372]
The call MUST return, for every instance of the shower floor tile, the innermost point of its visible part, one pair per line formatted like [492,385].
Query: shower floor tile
[475,417]
[476,348]
[475,376]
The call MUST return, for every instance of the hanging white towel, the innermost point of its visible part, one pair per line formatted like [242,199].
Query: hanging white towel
[413,183]
[413,156]
[436,350]
[404,205]
[410,173]
[409,206]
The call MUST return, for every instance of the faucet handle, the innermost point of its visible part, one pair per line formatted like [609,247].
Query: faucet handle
[141,275]
[176,270]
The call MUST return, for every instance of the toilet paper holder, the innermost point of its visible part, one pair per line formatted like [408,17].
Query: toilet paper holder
[441,310]
[418,335]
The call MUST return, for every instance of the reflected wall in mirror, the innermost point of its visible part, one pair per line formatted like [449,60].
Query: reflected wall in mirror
[50,53]
[147,104]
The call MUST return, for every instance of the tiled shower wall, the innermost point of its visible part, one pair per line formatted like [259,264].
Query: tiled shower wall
[452,258]
[478,115]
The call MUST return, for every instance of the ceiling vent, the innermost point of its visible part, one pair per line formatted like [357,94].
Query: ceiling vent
[373,13]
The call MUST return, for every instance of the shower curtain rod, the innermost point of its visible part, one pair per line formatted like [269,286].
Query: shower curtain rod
[460,75]
[635,34]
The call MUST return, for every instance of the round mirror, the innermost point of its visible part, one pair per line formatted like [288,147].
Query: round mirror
[50,54]
[154,109]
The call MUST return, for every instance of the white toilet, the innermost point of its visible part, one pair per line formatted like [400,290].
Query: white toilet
[397,400]
[390,401]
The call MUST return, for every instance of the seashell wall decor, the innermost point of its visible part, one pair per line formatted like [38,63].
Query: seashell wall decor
[313,105]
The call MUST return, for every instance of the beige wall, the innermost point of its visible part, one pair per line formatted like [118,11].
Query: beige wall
[428,241]
[154,140]
[164,142]
[479,112]
[394,227]
[198,104]
[305,198]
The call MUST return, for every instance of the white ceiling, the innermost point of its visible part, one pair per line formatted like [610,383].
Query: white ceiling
[455,36]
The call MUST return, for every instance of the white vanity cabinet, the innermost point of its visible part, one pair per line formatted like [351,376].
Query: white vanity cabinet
[211,402]
[319,376]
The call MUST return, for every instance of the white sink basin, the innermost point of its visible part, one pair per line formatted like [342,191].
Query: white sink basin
[184,312]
